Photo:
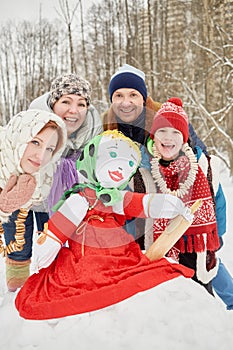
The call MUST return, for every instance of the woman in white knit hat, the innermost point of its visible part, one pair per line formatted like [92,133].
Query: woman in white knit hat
[30,146]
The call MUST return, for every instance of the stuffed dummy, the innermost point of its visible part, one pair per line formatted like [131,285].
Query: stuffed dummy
[102,263]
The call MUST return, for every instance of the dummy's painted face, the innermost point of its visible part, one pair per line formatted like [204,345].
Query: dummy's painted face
[72,109]
[116,160]
[168,142]
[39,150]
[127,104]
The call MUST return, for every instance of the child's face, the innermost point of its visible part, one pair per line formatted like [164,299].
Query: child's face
[168,142]
[115,162]
[39,150]
[127,104]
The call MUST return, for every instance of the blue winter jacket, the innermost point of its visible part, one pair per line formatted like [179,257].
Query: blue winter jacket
[220,202]
[195,139]
[219,195]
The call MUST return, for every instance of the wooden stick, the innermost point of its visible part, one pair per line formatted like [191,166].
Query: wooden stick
[175,229]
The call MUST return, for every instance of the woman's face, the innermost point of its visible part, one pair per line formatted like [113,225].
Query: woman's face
[39,150]
[127,104]
[168,142]
[72,109]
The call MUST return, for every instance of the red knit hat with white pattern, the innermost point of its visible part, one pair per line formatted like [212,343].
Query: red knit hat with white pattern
[171,114]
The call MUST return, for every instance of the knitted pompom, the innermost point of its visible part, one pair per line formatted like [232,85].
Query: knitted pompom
[176,100]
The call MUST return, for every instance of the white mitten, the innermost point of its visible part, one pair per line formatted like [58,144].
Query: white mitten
[165,206]
[46,249]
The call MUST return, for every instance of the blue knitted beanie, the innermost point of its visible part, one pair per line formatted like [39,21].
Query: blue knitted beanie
[128,77]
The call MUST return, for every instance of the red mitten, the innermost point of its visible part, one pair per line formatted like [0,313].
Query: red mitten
[17,192]
[210,260]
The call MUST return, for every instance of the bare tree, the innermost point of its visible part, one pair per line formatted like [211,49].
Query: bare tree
[85,60]
[185,49]
[67,15]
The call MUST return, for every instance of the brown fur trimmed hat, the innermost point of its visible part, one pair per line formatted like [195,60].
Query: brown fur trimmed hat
[69,84]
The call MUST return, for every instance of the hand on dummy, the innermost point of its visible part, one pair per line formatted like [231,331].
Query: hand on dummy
[166,206]
[45,250]
[17,192]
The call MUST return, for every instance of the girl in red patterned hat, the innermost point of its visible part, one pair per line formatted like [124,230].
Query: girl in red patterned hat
[175,170]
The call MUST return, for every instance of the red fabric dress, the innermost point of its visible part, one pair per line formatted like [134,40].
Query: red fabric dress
[102,266]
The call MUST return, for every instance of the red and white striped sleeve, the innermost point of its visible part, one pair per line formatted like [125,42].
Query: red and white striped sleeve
[66,220]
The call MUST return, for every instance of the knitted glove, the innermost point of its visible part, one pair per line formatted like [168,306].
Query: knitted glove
[211,260]
[17,192]
[45,250]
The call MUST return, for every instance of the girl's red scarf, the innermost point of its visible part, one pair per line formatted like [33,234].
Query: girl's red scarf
[204,222]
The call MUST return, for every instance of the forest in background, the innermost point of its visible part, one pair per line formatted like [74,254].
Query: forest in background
[185,49]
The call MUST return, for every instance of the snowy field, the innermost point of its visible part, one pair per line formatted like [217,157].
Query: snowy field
[176,315]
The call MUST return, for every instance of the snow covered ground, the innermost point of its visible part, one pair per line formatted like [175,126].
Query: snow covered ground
[178,314]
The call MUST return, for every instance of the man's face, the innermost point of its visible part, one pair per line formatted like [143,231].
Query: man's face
[127,104]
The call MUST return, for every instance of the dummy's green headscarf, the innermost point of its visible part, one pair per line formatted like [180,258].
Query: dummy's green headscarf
[149,145]
[86,165]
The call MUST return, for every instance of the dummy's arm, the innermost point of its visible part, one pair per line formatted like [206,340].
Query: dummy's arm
[175,229]
[155,205]
[163,206]
[60,227]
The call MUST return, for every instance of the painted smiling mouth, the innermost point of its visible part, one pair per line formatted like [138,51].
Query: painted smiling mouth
[115,175]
